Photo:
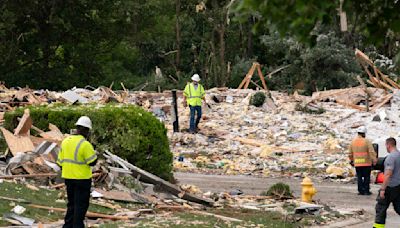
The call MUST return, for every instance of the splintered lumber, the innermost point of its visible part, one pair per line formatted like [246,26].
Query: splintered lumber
[118,196]
[363,56]
[17,144]
[29,175]
[14,199]
[88,214]
[260,74]
[351,105]
[247,79]
[253,142]
[153,179]
[385,100]
[250,142]
[24,124]
[53,134]
[228,219]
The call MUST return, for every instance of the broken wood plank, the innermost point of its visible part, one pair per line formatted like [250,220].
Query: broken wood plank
[118,196]
[24,124]
[351,105]
[225,218]
[153,179]
[260,74]
[387,98]
[88,214]
[17,144]
[253,142]
[14,199]
[390,81]
[29,175]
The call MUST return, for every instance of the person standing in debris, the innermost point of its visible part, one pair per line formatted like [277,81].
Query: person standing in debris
[193,95]
[362,155]
[76,157]
[390,189]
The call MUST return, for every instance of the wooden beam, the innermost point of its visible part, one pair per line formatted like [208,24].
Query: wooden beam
[225,218]
[260,74]
[29,175]
[88,214]
[350,105]
[245,83]
[153,179]
[24,124]
[385,100]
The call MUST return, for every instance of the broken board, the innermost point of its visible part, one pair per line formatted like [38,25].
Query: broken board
[117,196]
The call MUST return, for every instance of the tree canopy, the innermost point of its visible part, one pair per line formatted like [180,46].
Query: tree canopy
[60,44]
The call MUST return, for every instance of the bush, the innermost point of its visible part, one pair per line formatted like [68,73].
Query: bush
[279,190]
[257,99]
[129,131]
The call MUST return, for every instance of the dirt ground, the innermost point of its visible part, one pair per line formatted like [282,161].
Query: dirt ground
[342,196]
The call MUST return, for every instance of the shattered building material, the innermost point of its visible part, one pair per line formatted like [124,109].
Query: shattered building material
[164,185]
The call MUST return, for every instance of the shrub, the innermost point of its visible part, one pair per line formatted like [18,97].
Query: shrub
[128,131]
[257,99]
[279,190]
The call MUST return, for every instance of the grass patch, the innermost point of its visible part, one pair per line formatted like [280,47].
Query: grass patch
[43,197]
[251,218]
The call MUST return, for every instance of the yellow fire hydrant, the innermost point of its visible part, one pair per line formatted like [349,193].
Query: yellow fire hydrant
[308,190]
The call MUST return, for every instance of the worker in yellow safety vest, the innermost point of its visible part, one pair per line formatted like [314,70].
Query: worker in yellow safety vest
[362,155]
[76,157]
[194,95]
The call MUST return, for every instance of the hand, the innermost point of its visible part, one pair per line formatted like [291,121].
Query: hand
[374,162]
[382,194]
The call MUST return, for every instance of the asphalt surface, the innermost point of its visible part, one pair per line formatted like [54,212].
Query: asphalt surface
[343,196]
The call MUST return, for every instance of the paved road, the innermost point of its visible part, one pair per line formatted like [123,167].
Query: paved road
[340,195]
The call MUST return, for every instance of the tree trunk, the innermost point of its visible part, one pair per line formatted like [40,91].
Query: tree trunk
[250,38]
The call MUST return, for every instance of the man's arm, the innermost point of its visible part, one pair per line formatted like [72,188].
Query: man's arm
[389,167]
[388,175]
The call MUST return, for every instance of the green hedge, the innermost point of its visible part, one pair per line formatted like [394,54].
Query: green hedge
[128,131]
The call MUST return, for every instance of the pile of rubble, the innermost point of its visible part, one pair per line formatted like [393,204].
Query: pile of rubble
[116,180]
[277,140]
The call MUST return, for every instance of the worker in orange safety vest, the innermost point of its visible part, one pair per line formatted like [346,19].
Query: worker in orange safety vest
[362,155]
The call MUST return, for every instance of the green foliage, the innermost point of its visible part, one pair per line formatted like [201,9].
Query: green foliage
[128,131]
[279,190]
[257,99]
[376,21]
[329,64]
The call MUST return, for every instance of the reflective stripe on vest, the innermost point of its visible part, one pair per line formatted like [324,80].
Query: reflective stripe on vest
[199,87]
[75,161]
[194,96]
[361,157]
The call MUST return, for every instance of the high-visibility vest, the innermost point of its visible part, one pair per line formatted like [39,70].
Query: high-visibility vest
[75,156]
[194,96]
[360,149]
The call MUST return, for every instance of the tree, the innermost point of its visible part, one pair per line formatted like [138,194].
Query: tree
[46,42]
[376,20]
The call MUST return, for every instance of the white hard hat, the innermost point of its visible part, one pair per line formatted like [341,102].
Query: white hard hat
[362,130]
[84,121]
[196,78]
